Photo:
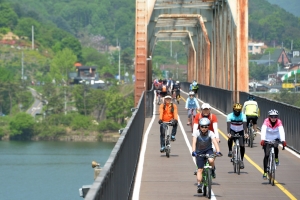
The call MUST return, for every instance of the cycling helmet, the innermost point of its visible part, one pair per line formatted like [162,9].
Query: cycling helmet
[251,97]
[237,107]
[273,112]
[204,121]
[205,106]
[177,82]
[191,93]
[168,97]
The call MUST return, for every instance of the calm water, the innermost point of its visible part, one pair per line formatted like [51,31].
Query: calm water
[48,170]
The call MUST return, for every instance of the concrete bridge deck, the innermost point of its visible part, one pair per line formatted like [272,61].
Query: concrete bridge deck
[159,177]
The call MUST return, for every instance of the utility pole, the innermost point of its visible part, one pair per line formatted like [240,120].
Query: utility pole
[32,39]
[22,62]
[119,64]
[171,48]
[269,58]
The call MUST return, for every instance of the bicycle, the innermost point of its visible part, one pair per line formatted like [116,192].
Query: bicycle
[207,174]
[158,99]
[236,154]
[177,95]
[271,161]
[192,118]
[167,130]
[250,138]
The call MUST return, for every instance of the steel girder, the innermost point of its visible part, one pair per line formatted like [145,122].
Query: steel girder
[215,33]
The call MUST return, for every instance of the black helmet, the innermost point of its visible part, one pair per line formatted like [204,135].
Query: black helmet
[251,97]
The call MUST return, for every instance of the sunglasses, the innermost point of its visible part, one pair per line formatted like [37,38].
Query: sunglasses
[204,126]
[274,117]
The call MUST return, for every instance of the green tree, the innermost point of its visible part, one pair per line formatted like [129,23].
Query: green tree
[62,64]
[24,27]
[8,18]
[21,126]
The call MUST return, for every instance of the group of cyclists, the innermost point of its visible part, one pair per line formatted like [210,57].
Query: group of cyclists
[166,87]
[205,130]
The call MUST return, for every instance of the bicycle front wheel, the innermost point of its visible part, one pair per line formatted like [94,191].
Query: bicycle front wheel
[238,160]
[273,170]
[251,138]
[208,188]
[270,168]
[234,160]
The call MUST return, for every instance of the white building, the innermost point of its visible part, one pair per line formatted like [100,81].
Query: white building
[255,48]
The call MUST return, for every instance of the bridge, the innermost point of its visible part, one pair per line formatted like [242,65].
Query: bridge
[215,36]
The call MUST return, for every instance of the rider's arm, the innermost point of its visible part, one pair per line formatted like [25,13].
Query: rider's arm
[263,132]
[214,140]
[196,121]
[187,103]
[228,123]
[161,111]
[282,133]
[215,127]
[175,112]
[245,123]
[195,135]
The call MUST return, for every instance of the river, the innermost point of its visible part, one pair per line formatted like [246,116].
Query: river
[48,170]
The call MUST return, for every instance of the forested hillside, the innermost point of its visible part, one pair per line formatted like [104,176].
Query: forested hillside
[273,25]
[292,6]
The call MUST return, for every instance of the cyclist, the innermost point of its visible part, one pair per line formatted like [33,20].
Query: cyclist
[251,110]
[158,87]
[164,89]
[176,88]
[202,144]
[236,123]
[271,129]
[191,103]
[167,112]
[194,87]
[205,113]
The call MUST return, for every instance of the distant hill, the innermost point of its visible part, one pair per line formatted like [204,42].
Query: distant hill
[292,6]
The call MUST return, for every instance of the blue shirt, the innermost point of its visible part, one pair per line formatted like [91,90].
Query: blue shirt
[192,103]
[236,122]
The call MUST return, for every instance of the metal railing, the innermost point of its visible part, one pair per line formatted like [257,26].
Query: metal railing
[288,114]
[216,97]
[149,98]
[117,176]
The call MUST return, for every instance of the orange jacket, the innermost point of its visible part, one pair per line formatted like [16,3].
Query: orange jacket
[165,114]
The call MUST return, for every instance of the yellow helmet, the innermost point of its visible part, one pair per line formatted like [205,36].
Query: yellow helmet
[237,107]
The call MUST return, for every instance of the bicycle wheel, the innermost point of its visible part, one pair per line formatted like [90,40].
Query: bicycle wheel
[208,188]
[238,160]
[177,98]
[234,162]
[168,150]
[204,181]
[270,168]
[273,170]
[251,138]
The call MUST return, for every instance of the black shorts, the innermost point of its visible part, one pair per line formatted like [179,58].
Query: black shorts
[241,139]
[253,118]
[195,91]
[163,94]
[201,160]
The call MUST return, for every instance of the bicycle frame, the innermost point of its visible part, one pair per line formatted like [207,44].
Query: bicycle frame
[167,129]
[250,134]
[236,154]
[271,167]
[192,119]
[206,175]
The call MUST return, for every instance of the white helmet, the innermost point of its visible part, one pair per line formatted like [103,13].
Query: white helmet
[205,105]
[191,93]
[177,82]
[204,121]
[273,112]
[168,97]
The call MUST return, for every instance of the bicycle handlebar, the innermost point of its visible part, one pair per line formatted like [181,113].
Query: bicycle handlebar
[209,155]
[274,142]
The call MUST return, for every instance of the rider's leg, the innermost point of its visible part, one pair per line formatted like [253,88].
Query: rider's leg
[189,117]
[229,142]
[265,160]
[174,131]
[162,136]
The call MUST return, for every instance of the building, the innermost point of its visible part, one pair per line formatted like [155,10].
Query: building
[278,56]
[255,48]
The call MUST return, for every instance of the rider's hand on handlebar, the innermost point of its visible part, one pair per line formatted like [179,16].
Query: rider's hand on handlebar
[219,154]
[160,121]
[194,154]
[262,143]
[228,135]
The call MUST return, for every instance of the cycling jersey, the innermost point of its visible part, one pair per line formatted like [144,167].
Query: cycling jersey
[270,133]
[204,142]
[165,113]
[192,103]
[213,126]
[250,108]
[236,122]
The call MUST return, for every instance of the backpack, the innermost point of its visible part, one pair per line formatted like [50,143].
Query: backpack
[172,107]
[164,88]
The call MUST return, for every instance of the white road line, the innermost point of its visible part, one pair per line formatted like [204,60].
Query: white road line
[190,149]
[138,178]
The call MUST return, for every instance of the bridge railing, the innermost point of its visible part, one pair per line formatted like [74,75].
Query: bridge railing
[288,114]
[216,97]
[116,178]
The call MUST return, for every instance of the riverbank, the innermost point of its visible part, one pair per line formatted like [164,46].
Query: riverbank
[77,137]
